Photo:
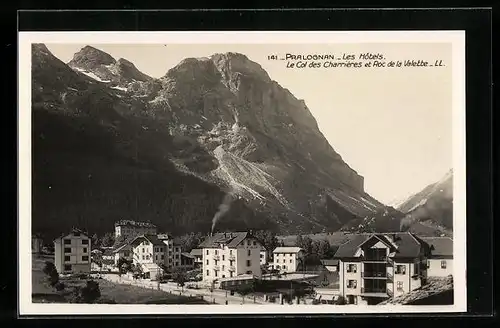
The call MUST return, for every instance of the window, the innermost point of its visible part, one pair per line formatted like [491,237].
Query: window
[254,243]
[176,256]
[156,257]
[143,249]
[169,260]
[126,253]
[67,241]
[443,264]
[208,272]
[207,261]
[147,257]
[161,249]
[249,252]
[261,256]
[143,257]
[352,284]
[85,258]
[277,267]
[215,273]
[76,234]
[249,272]
[400,285]
[230,252]
[230,273]
[223,276]
[223,268]
[284,267]
[352,268]
[223,258]
[207,251]
[249,263]
[400,269]
[67,267]
[66,258]
[290,260]
[85,249]
[85,241]
[428,264]
[67,250]
[162,256]
[216,252]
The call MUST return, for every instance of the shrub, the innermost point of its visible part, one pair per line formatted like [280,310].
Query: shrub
[53,279]
[60,286]
[49,268]
[91,292]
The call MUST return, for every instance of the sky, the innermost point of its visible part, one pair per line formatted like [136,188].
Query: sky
[391,125]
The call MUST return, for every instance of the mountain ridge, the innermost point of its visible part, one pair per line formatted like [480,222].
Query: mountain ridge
[207,127]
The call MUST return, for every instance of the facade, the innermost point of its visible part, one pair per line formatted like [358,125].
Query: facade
[134,228]
[36,244]
[187,261]
[287,259]
[440,262]
[198,256]
[264,258]
[228,255]
[149,253]
[375,267]
[173,254]
[72,253]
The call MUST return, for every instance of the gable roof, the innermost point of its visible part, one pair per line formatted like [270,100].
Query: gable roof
[196,252]
[440,246]
[73,231]
[153,239]
[408,245]
[286,249]
[231,239]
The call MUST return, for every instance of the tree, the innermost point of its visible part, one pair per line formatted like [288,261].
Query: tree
[244,290]
[137,270]
[190,241]
[267,238]
[179,277]
[95,241]
[124,265]
[50,270]
[107,240]
[91,292]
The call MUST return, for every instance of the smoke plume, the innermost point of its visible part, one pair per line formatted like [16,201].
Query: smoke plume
[223,208]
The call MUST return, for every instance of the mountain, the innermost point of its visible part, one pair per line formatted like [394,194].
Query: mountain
[213,135]
[432,206]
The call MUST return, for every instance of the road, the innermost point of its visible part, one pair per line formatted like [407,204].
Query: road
[217,296]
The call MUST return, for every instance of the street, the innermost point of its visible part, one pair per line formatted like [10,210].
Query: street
[217,296]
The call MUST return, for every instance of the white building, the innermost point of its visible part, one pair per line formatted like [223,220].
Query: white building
[440,261]
[375,267]
[288,259]
[134,228]
[149,253]
[72,253]
[230,254]
[264,258]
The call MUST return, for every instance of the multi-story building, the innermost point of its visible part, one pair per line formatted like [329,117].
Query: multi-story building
[198,256]
[149,253]
[72,253]
[263,256]
[440,261]
[174,251]
[134,228]
[230,254]
[374,267]
[288,259]
[36,244]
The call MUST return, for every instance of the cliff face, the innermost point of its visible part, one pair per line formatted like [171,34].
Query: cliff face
[110,142]
[432,205]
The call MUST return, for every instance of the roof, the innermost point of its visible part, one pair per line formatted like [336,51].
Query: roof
[408,245]
[440,246]
[434,286]
[187,255]
[135,224]
[333,262]
[196,252]
[285,249]
[231,239]
[74,230]
[153,239]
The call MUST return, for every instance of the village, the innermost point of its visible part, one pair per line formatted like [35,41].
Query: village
[237,268]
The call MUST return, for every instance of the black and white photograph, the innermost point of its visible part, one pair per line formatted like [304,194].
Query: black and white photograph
[242,172]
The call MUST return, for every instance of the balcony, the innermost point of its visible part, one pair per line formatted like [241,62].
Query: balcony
[232,268]
[374,275]
[232,258]
[374,292]
[216,268]
[216,257]
[377,259]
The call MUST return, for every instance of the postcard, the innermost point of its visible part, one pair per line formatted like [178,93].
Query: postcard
[242,172]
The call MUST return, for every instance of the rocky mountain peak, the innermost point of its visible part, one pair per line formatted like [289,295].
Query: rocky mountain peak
[89,57]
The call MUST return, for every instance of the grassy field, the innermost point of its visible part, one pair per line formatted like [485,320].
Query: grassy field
[42,292]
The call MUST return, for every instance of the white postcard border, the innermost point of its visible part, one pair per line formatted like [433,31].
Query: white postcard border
[457,38]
